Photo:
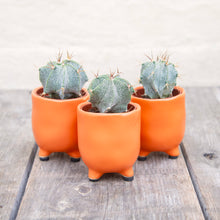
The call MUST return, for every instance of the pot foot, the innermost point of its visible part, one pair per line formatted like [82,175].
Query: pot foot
[140,158]
[94,176]
[44,155]
[44,158]
[74,155]
[173,153]
[94,180]
[73,159]
[128,179]
[173,157]
[143,155]
[128,175]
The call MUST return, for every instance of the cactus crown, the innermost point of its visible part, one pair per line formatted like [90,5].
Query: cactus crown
[62,79]
[110,93]
[158,77]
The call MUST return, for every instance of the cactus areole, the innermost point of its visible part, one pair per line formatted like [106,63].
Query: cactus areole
[110,93]
[62,79]
[158,78]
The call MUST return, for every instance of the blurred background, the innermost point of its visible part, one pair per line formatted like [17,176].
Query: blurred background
[104,35]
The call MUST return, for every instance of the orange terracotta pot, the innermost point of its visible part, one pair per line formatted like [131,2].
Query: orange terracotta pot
[109,142]
[162,122]
[54,124]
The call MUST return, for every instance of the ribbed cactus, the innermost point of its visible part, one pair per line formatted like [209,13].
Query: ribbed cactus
[158,77]
[62,79]
[110,93]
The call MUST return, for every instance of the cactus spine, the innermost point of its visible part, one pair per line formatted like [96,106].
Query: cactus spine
[158,77]
[110,93]
[62,79]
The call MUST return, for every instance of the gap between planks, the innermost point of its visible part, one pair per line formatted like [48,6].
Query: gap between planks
[195,183]
[28,169]
[23,184]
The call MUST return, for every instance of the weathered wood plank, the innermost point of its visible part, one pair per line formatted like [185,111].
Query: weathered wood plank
[202,146]
[59,189]
[16,146]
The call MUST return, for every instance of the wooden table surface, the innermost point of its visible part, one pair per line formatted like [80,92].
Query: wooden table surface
[185,188]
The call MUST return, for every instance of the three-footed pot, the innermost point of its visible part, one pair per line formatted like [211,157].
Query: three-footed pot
[109,142]
[54,123]
[162,122]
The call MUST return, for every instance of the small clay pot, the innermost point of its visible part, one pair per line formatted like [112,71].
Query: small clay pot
[109,142]
[162,122]
[54,124]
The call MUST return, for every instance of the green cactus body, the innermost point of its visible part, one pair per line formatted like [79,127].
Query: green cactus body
[158,78]
[110,93]
[62,80]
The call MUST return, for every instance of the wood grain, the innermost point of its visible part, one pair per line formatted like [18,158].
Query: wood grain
[59,189]
[162,188]
[16,146]
[202,146]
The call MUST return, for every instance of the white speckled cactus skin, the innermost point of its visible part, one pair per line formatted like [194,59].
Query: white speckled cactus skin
[158,77]
[62,79]
[110,93]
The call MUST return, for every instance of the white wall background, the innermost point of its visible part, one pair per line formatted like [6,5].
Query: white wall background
[109,34]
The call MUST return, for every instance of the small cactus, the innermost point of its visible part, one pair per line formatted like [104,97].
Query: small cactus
[110,93]
[158,77]
[62,79]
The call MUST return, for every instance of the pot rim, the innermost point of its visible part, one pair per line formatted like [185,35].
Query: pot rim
[181,94]
[35,95]
[136,108]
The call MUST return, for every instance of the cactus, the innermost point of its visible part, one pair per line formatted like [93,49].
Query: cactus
[158,77]
[62,79]
[110,93]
